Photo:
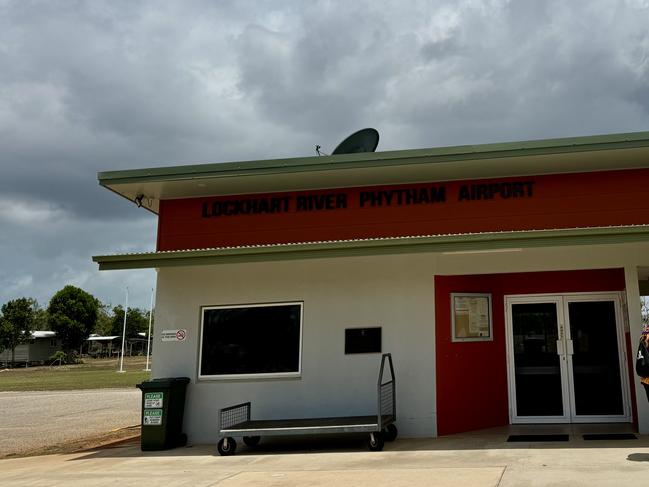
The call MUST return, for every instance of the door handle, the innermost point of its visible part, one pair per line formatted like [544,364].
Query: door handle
[570,347]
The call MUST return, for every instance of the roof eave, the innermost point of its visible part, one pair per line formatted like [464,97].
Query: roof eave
[378,159]
[446,243]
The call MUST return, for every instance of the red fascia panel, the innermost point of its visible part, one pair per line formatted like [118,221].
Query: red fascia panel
[555,201]
[471,377]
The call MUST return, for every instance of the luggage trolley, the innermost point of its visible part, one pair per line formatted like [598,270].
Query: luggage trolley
[236,420]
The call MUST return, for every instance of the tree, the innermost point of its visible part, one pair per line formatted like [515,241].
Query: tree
[137,321]
[16,324]
[73,316]
[104,321]
[40,316]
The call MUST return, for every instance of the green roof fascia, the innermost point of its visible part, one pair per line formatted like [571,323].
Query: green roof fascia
[450,243]
[378,159]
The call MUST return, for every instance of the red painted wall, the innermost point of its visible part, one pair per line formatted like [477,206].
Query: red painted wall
[557,201]
[472,377]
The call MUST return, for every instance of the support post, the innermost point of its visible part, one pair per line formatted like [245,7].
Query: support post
[121,364]
[148,336]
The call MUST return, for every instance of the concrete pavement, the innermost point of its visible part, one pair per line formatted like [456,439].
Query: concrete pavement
[477,459]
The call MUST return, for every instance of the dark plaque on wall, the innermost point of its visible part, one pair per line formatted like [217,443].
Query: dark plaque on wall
[363,340]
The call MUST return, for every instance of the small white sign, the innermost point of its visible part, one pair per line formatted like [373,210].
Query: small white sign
[152,417]
[174,335]
[153,400]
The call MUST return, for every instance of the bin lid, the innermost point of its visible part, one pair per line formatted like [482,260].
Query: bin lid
[163,382]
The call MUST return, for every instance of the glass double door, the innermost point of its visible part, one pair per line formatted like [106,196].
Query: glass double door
[566,359]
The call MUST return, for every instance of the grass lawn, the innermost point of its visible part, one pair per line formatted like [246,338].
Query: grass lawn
[92,374]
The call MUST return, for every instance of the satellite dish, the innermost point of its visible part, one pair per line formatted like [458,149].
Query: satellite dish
[364,140]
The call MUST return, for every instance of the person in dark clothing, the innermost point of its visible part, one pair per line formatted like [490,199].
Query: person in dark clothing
[644,340]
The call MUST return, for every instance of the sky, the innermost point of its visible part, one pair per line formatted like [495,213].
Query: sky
[101,86]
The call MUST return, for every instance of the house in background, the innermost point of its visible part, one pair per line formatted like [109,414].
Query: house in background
[137,345]
[38,350]
[111,346]
[103,346]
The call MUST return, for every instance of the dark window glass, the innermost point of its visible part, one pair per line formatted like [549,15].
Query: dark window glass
[595,362]
[251,340]
[538,371]
[363,340]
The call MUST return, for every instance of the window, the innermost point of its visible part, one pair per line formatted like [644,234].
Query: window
[251,340]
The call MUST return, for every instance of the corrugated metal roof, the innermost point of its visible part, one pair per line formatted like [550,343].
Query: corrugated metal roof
[386,245]
[376,239]
[43,334]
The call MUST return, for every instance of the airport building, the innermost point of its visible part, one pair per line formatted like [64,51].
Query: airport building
[504,279]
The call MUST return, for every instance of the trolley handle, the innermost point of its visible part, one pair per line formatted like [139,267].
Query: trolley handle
[386,394]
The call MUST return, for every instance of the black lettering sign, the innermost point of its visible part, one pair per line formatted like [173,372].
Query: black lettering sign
[400,197]
[252,206]
[478,192]
[329,201]
[425,195]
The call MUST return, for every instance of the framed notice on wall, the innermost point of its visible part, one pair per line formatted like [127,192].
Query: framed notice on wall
[471,317]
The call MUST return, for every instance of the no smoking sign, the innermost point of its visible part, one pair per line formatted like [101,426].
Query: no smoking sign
[173,335]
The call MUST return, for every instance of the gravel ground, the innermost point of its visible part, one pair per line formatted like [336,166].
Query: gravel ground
[32,420]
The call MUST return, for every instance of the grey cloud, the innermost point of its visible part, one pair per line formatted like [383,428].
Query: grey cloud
[94,86]
[44,249]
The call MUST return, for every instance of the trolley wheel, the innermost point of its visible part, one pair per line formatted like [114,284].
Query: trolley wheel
[390,432]
[251,440]
[375,441]
[228,447]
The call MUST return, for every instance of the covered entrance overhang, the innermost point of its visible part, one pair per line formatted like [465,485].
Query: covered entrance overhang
[462,243]
[462,382]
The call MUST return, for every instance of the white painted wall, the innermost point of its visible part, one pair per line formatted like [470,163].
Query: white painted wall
[394,292]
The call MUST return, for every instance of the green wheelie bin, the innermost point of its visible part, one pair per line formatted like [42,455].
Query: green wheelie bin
[163,405]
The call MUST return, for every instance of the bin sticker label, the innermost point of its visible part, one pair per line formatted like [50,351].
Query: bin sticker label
[153,400]
[152,417]
[174,335]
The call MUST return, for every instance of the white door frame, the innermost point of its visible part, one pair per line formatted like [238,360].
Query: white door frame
[511,371]
[625,417]
[564,349]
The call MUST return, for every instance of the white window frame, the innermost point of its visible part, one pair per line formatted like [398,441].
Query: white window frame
[273,375]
